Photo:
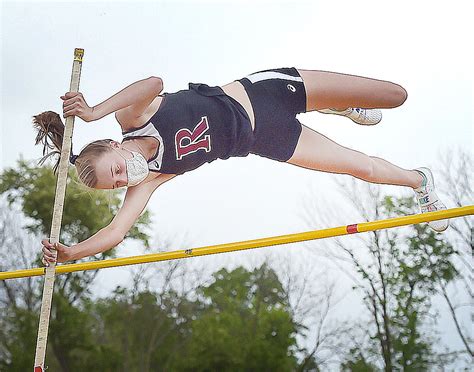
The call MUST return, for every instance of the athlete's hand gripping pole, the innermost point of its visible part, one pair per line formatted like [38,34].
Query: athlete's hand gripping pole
[57,217]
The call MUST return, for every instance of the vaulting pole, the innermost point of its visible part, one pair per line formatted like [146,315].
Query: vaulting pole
[57,218]
[248,244]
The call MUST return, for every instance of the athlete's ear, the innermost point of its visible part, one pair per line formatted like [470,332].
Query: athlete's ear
[115,144]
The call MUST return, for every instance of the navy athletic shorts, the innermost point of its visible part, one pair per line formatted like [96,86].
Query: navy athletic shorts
[277,96]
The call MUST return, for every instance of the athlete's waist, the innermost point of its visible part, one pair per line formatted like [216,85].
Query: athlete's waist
[237,93]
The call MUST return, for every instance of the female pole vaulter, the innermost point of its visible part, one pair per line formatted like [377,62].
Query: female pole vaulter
[168,134]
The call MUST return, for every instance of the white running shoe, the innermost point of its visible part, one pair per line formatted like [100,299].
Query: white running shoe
[428,200]
[358,115]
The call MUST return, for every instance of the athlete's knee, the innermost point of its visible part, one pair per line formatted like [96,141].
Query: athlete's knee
[398,95]
[364,168]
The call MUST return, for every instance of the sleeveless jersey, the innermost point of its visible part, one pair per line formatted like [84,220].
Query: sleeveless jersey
[196,126]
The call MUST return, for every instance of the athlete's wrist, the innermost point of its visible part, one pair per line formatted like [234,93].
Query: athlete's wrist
[78,251]
[73,253]
[93,114]
[98,112]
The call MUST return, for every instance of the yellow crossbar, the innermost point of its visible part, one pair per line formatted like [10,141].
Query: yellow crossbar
[248,244]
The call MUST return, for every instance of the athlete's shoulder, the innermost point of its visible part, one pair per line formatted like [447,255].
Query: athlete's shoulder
[130,122]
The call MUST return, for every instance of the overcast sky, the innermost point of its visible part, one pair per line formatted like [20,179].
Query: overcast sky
[423,45]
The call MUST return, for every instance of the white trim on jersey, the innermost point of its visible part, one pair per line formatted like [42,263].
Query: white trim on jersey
[150,131]
[267,75]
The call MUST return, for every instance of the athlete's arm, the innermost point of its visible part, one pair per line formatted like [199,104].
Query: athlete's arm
[131,101]
[135,201]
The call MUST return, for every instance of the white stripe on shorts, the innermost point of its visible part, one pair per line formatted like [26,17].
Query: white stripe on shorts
[267,75]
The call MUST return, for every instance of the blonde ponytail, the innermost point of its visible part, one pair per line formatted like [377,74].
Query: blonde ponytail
[50,132]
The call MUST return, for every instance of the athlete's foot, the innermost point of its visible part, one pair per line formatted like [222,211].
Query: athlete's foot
[358,115]
[427,199]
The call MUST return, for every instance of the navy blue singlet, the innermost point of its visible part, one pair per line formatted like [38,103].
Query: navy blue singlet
[196,126]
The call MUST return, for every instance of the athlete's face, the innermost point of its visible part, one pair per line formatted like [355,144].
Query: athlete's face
[111,168]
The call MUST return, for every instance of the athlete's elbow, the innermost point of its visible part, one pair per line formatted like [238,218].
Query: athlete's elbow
[115,235]
[118,238]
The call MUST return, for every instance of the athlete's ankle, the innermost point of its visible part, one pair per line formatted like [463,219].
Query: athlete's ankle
[418,179]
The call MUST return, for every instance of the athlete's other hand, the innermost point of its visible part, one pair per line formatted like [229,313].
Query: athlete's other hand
[48,255]
[75,105]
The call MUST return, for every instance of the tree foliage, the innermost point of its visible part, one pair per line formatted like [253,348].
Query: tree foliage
[129,330]
[239,322]
[32,190]
[244,324]
[398,273]
[242,319]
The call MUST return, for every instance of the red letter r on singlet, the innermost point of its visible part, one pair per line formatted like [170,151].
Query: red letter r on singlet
[193,141]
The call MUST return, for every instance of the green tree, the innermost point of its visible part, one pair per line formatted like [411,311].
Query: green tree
[244,324]
[419,263]
[31,190]
[141,330]
[457,169]
[397,273]
[356,362]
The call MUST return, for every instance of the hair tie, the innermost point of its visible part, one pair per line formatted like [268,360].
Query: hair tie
[72,158]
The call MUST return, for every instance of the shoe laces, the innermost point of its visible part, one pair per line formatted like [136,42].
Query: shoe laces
[362,113]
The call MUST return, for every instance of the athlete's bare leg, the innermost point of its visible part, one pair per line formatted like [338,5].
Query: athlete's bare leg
[316,151]
[340,91]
